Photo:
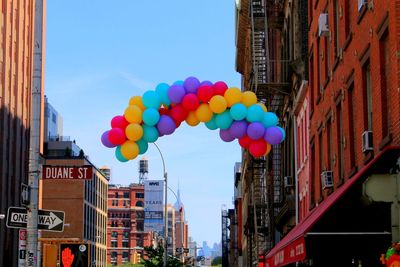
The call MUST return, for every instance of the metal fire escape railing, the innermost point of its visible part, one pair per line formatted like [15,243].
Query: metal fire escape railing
[270,81]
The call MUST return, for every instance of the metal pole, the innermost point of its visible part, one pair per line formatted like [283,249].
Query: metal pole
[165,210]
[34,142]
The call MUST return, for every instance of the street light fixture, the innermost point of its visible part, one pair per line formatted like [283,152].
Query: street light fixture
[165,209]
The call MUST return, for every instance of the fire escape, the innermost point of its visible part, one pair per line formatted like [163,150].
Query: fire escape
[270,80]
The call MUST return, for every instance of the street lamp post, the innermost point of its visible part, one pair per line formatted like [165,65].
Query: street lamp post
[165,209]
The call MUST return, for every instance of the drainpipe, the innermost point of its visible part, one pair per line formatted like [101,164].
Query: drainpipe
[296,185]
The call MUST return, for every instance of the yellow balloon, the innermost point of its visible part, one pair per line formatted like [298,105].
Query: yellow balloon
[129,150]
[191,119]
[137,100]
[233,95]
[133,114]
[218,104]
[134,132]
[249,98]
[268,149]
[262,106]
[204,113]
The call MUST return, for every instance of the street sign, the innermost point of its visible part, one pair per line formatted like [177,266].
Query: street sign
[21,247]
[74,255]
[84,172]
[48,220]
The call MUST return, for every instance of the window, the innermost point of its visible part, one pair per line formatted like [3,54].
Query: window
[311,81]
[113,203]
[321,160]
[125,255]
[125,234]
[352,118]
[114,244]
[125,244]
[139,242]
[114,234]
[139,204]
[140,214]
[367,83]
[337,26]
[339,132]
[126,194]
[139,195]
[139,226]
[385,81]
[116,194]
[113,255]
[330,143]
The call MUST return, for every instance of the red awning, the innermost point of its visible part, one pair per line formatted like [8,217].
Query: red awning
[292,247]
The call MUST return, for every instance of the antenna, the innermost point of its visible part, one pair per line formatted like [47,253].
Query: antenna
[143,170]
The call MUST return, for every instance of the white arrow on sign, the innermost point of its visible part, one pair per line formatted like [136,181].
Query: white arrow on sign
[50,220]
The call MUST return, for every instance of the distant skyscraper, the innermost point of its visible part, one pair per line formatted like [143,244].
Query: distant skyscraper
[53,122]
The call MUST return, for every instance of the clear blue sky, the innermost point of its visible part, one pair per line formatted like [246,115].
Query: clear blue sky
[100,53]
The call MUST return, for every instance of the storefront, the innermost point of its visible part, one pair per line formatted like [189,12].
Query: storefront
[346,229]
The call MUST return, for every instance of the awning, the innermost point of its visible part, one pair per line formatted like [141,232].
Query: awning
[292,247]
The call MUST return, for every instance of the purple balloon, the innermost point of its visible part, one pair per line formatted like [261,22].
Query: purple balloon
[206,83]
[166,125]
[273,135]
[255,130]
[238,129]
[191,84]
[105,141]
[226,136]
[176,93]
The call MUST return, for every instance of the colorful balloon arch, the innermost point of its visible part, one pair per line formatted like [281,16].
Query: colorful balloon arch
[236,114]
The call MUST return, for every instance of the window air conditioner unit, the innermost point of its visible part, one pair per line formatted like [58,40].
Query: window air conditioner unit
[327,179]
[367,141]
[323,29]
[288,181]
[361,3]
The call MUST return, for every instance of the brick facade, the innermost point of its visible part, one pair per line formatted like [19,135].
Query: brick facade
[360,52]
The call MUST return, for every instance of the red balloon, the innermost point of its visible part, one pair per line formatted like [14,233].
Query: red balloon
[258,148]
[178,114]
[245,142]
[220,88]
[119,122]
[116,136]
[163,111]
[190,102]
[204,93]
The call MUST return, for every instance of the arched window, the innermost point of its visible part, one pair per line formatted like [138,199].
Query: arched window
[139,204]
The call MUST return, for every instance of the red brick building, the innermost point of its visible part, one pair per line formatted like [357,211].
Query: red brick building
[354,129]
[16,61]
[125,232]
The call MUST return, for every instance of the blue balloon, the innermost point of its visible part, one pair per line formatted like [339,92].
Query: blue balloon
[143,146]
[270,119]
[150,134]
[255,113]
[211,124]
[224,120]
[238,111]
[150,116]
[118,154]
[283,133]
[151,100]
[162,91]
[179,82]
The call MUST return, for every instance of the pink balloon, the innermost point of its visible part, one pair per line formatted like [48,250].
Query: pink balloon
[119,122]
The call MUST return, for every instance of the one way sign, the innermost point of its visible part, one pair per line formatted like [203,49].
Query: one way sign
[49,220]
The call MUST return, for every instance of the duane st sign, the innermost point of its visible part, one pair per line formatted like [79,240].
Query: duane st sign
[48,220]
[67,172]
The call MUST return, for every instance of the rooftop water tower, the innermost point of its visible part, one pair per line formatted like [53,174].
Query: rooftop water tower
[143,170]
